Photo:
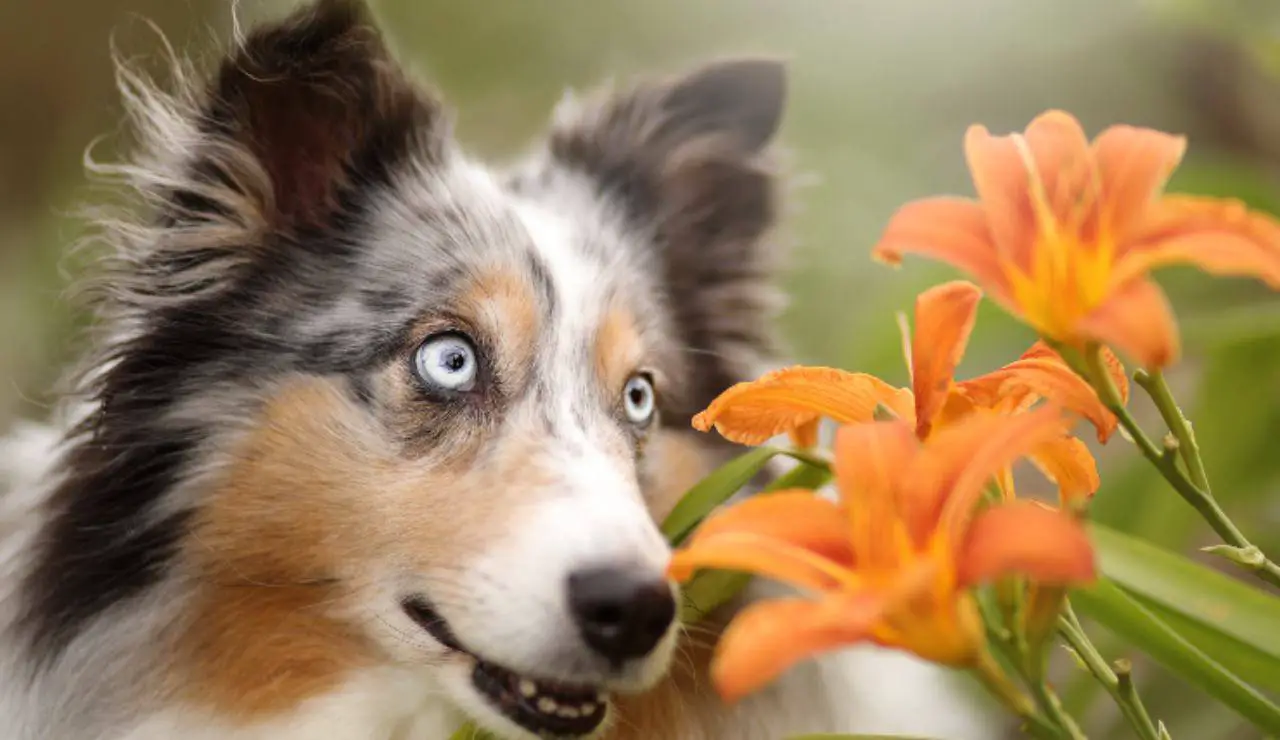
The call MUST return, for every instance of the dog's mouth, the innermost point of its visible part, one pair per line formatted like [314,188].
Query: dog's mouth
[544,707]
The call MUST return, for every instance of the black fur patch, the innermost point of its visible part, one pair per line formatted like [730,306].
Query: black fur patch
[316,104]
[686,159]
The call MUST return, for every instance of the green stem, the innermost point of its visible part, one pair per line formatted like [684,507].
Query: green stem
[999,685]
[1120,687]
[1044,717]
[816,457]
[1154,384]
[1247,554]
[1052,707]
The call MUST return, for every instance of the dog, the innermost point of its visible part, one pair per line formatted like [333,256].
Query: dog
[373,439]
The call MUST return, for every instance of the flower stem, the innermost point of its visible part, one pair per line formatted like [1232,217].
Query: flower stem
[1044,717]
[1154,384]
[1242,551]
[999,685]
[1119,684]
[1050,704]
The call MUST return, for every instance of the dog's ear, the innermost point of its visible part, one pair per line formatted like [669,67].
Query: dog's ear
[319,105]
[688,160]
[300,116]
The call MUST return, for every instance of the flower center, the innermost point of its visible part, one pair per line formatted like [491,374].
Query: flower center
[1068,279]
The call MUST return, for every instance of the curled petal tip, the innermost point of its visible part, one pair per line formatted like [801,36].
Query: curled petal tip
[976,131]
[886,257]
[1055,115]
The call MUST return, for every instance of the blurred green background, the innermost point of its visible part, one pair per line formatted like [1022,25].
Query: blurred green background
[881,94]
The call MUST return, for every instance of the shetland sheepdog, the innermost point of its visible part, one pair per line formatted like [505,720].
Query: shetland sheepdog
[373,438]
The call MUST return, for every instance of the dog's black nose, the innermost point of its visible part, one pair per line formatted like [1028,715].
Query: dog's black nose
[622,613]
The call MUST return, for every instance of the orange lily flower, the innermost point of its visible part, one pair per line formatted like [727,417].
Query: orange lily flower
[893,560]
[1065,231]
[792,400]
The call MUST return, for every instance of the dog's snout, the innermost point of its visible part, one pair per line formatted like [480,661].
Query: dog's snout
[622,613]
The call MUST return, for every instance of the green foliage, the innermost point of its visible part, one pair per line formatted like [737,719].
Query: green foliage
[714,490]
[1234,622]
[470,731]
[1139,626]
[720,485]
[710,589]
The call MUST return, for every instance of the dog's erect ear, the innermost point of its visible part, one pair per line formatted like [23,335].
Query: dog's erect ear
[687,159]
[318,103]
[634,141]
[740,99]
[299,113]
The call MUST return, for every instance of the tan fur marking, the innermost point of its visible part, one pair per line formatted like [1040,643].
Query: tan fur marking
[262,651]
[317,506]
[503,304]
[618,348]
[678,460]
[260,640]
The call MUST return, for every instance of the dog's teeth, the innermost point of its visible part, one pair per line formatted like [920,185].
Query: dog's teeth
[569,712]
[588,708]
[547,705]
[528,689]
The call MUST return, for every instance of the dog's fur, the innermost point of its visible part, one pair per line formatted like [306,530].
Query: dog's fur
[219,544]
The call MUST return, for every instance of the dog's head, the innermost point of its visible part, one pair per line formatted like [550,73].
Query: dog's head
[372,404]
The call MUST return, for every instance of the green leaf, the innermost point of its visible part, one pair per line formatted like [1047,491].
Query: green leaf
[1130,620]
[469,731]
[713,490]
[806,475]
[707,590]
[1250,664]
[1228,619]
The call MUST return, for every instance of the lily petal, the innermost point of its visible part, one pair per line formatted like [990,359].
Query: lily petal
[869,459]
[1221,237]
[1003,183]
[1064,164]
[1138,321]
[1044,376]
[1026,538]
[1067,462]
[1115,368]
[798,517]
[945,315]
[1133,166]
[792,398]
[950,230]
[948,476]
[769,637]
[805,436]
[749,553]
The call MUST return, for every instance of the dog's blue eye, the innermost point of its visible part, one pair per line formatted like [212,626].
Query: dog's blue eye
[446,362]
[638,399]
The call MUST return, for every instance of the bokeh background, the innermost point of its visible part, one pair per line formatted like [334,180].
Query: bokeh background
[881,94]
